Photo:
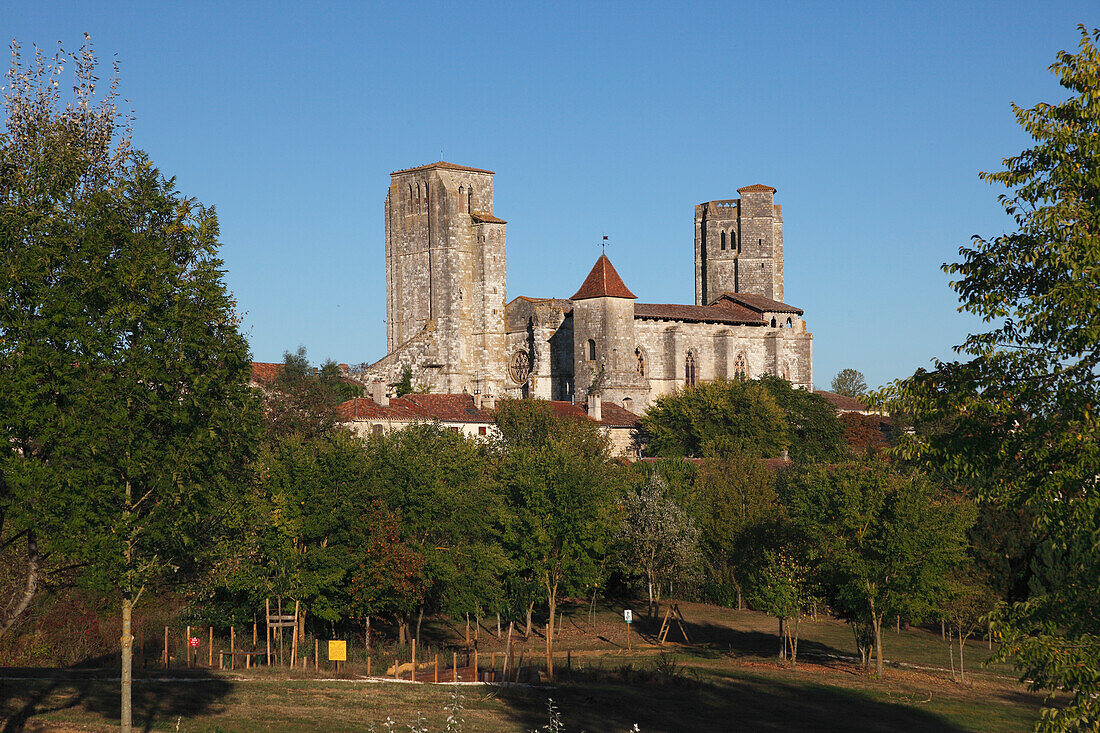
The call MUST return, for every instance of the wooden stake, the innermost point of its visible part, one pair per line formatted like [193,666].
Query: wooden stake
[493,665]
[232,646]
[267,628]
[317,653]
[454,666]
[187,642]
[166,647]
[467,630]
[628,637]
[498,625]
[477,669]
[435,677]
[396,663]
[549,655]
[414,656]
[253,635]
[210,648]
[294,637]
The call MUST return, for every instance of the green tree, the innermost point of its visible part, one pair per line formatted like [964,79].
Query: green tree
[732,497]
[850,383]
[887,539]
[562,490]
[722,417]
[661,539]
[782,585]
[302,400]
[1021,412]
[441,485]
[815,431]
[126,411]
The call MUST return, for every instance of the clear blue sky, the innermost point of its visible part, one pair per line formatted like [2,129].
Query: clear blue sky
[871,119]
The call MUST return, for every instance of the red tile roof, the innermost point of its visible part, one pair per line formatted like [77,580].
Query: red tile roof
[756,188]
[733,313]
[444,165]
[841,402]
[603,282]
[264,372]
[757,303]
[487,218]
[460,408]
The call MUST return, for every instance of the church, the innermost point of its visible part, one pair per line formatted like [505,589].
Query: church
[450,322]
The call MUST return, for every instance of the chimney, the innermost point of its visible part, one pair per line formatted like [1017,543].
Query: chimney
[594,410]
[784,455]
[488,402]
[378,393]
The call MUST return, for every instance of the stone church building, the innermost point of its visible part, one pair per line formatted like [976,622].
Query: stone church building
[448,317]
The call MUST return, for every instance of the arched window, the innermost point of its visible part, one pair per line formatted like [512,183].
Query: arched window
[470,200]
[723,240]
[689,370]
[733,241]
[790,324]
[462,199]
[591,349]
[773,321]
[409,201]
[628,404]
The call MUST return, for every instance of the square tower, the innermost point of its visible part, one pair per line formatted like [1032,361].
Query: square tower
[445,273]
[739,246]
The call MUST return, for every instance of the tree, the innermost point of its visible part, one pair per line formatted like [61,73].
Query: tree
[126,413]
[887,538]
[661,539]
[850,383]
[968,601]
[722,417]
[782,586]
[562,490]
[732,497]
[815,431]
[1022,409]
[302,400]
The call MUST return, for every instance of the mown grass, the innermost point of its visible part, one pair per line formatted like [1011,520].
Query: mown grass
[727,680]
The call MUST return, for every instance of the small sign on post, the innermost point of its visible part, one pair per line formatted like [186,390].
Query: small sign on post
[628,616]
[337,652]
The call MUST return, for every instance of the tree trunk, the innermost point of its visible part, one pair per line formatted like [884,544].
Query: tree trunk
[419,619]
[552,597]
[366,635]
[962,668]
[527,628]
[782,638]
[876,621]
[29,588]
[792,637]
[127,663]
[402,631]
[649,611]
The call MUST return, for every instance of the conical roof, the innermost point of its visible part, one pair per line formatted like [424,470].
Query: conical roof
[603,282]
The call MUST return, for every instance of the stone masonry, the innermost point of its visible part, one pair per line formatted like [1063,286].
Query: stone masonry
[447,319]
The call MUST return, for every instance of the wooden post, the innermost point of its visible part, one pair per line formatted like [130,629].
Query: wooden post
[498,625]
[187,642]
[368,665]
[317,653]
[435,677]
[166,647]
[477,667]
[232,646]
[294,637]
[493,665]
[396,667]
[414,657]
[477,628]
[267,628]
[279,611]
[253,635]
[210,648]
[549,655]
[454,666]
[628,637]
[467,630]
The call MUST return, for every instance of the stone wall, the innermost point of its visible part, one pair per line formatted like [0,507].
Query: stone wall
[739,246]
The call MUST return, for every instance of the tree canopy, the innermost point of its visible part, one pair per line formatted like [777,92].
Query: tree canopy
[850,383]
[1017,420]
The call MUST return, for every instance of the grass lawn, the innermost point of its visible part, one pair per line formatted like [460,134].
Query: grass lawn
[727,680]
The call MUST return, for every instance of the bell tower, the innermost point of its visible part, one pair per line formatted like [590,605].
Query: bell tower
[739,246]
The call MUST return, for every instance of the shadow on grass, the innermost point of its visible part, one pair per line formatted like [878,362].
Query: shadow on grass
[94,687]
[707,640]
[725,705]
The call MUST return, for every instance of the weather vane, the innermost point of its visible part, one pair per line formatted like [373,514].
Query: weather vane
[604,243]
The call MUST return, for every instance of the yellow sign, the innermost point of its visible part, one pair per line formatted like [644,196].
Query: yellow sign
[338,651]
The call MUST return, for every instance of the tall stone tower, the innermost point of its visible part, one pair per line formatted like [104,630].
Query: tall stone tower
[445,276]
[739,246]
[605,359]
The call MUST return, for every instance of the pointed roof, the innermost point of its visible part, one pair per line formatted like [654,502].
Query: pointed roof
[755,188]
[603,282]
